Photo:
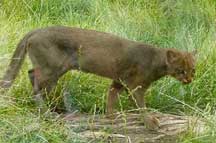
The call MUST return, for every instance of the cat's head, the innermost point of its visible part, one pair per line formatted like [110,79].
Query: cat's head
[181,65]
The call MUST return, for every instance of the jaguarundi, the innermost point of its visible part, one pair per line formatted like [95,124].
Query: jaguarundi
[55,50]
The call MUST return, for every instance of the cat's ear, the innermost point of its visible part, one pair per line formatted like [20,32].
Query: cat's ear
[171,56]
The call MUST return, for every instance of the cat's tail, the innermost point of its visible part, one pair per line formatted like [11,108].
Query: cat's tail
[15,64]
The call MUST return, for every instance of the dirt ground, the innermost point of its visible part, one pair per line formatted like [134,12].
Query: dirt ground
[128,128]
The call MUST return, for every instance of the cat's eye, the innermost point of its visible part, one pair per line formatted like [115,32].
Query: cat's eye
[193,71]
[180,71]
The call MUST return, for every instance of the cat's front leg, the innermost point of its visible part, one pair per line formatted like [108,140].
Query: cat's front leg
[115,89]
[149,120]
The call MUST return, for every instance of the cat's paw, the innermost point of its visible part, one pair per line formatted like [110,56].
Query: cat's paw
[151,122]
[110,115]
[5,84]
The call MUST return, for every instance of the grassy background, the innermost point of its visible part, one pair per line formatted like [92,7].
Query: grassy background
[183,24]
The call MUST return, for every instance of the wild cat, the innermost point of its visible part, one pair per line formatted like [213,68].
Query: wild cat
[55,50]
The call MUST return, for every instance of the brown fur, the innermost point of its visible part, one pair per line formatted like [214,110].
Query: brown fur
[56,50]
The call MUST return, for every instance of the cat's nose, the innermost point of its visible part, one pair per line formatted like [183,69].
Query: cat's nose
[186,81]
[189,80]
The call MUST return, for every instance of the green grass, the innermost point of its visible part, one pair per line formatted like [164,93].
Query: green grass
[183,24]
